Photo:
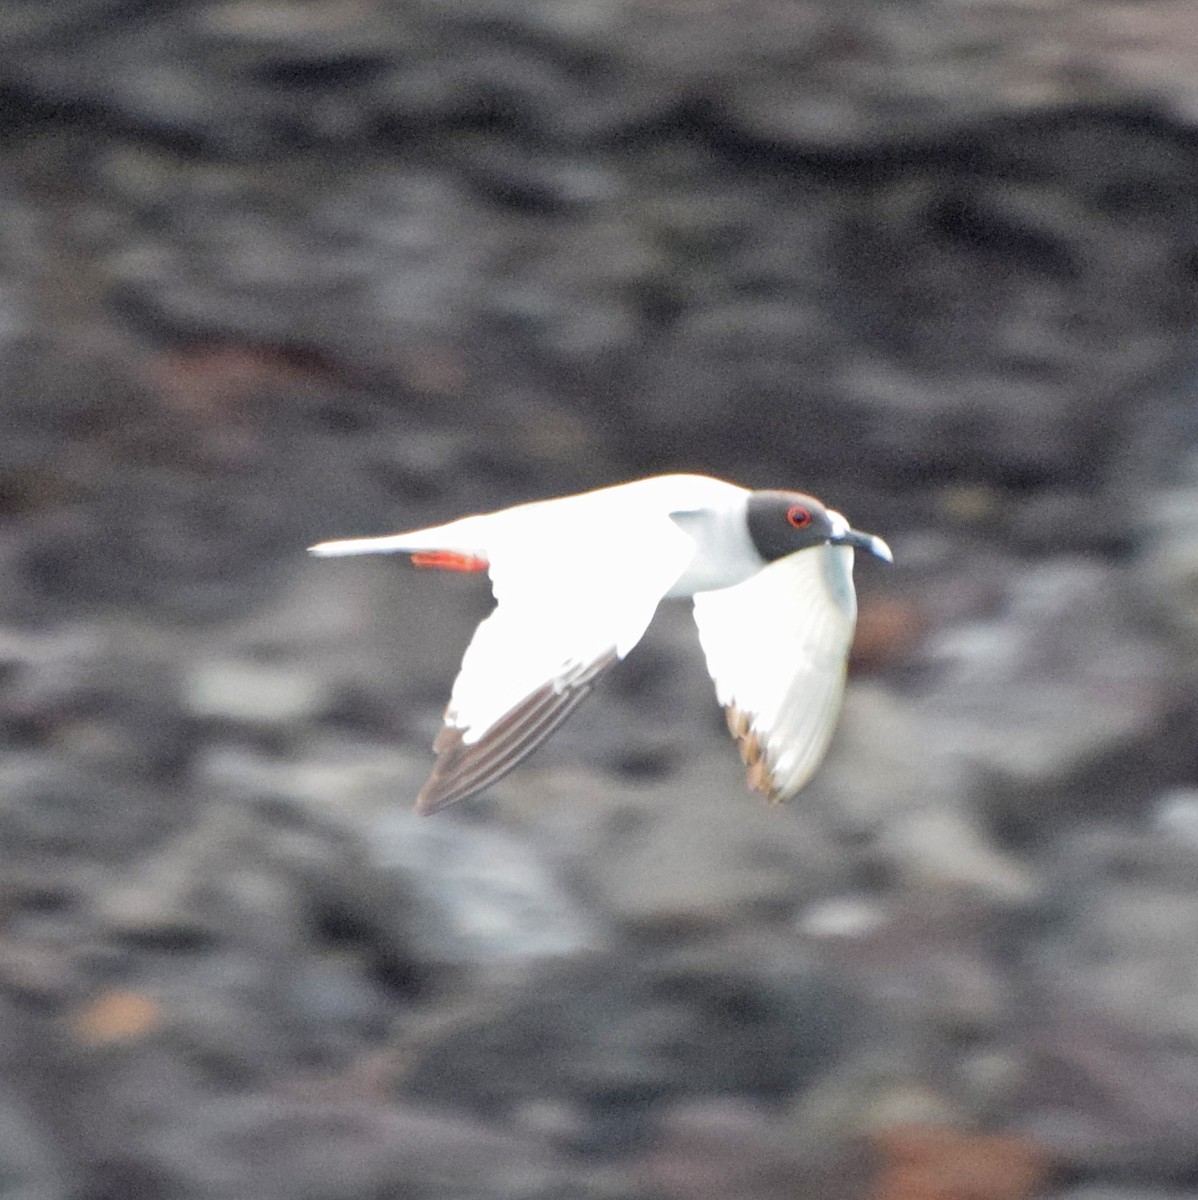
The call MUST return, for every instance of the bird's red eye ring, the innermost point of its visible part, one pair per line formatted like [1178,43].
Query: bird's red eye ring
[799,516]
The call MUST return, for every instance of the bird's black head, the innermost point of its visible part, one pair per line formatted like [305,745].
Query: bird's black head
[781,523]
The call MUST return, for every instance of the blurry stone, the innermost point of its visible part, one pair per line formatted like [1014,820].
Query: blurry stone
[710,865]
[1127,915]
[558,1121]
[276,26]
[1065,522]
[254,693]
[254,58]
[1105,1096]
[881,765]
[1114,1055]
[1066,673]
[102,693]
[893,780]
[689,849]
[115,1016]
[906,254]
[347,777]
[907,1103]
[1170,557]
[713,1149]
[948,848]
[35,1162]
[277,1147]
[37,973]
[176,551]
[480,895]
[188,888]
[933,959]
[880,1085]
[926,1163]
[620,1032]
[629,276]
[1116,1192]
[51,808]
[32,1169]
[842,917]
[1176,814]
[970,503]
[888,630]
[993,1076]
[1000,715]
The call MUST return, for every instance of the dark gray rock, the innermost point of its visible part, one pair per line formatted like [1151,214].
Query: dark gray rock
[32,1170]
[476,895]
[620,1032]
[714,1148]
[1115,1075]
[1105,1192]
[278,1147]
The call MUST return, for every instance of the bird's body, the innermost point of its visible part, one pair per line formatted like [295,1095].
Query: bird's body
[577,580]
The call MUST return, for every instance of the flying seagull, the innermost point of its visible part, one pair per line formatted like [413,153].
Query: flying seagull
[577,580]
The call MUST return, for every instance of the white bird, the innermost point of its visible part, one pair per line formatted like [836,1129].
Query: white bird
[577,580]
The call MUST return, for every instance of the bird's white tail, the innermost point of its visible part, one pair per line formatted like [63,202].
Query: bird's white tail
[441,547]
[393,544]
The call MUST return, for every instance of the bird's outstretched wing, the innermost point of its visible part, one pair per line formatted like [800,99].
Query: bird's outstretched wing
[776,647]
[565,615]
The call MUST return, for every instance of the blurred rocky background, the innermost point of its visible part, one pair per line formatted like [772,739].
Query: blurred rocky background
[272,272]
